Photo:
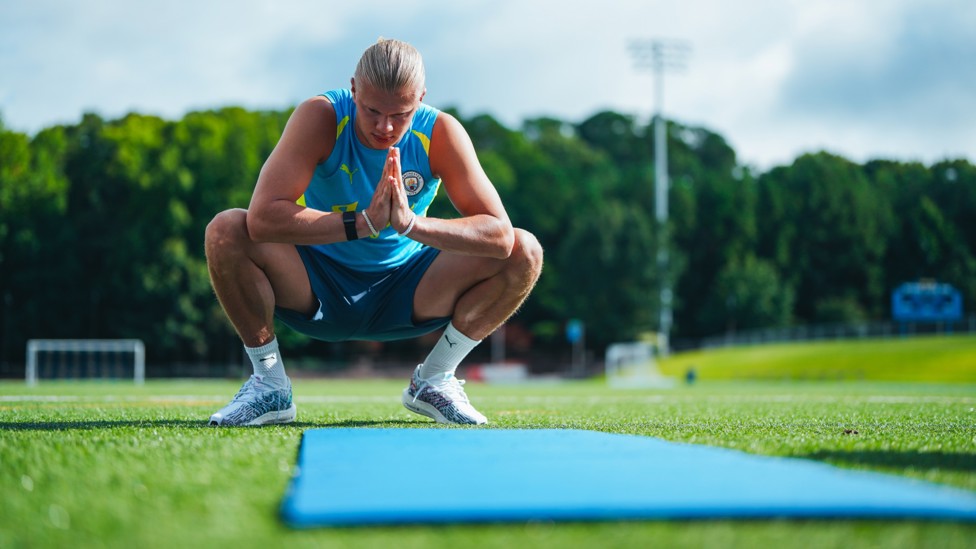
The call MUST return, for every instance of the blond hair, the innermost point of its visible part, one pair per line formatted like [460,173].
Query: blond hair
[391,66]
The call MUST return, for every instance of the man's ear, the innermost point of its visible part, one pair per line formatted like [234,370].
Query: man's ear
[423,93]
[352,85]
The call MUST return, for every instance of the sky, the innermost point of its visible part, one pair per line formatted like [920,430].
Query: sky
[864,79]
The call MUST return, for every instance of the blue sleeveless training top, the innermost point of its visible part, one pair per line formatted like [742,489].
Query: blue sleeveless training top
[347,179]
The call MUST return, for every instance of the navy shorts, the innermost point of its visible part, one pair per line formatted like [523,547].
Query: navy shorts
[362,306]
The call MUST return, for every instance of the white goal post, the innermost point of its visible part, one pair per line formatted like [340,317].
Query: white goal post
[92,355]
[633,366]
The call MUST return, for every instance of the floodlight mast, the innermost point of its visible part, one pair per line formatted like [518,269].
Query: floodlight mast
[658,56]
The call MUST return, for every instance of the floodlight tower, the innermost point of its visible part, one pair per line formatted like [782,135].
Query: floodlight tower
[659,56]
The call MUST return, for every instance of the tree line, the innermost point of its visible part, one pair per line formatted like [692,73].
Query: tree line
[102,224]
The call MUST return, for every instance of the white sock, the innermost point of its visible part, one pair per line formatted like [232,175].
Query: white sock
[267,362]
[448,353]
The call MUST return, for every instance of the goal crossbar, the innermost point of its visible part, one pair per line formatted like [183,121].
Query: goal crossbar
[135,346]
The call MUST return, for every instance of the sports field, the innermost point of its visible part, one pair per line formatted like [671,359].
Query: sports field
[109,464]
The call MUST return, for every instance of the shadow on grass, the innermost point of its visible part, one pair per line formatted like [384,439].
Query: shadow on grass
[947,461]
[190,424]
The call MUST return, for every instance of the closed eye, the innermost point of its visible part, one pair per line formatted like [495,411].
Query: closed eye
[399,115]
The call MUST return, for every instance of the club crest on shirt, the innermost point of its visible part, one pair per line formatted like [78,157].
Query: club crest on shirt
[413,182]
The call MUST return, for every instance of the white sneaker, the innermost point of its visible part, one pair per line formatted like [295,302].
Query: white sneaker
[257,403]
[441,398]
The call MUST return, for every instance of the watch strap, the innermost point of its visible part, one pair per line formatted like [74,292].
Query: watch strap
[349,222]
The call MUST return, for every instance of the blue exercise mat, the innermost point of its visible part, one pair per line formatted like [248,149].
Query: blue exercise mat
[397,476]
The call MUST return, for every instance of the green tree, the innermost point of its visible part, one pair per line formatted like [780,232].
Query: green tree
[934,236]
[607,274]
[953,192]
[825,227]
[551,182]
[747,294]
[102,225]
[32,205]
[127,212]
[713,213]
[630,149]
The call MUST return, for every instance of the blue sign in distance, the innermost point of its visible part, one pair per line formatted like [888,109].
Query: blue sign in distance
[574,330]
[926,302]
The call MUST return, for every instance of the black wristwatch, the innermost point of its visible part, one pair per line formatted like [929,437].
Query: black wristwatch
[349,222]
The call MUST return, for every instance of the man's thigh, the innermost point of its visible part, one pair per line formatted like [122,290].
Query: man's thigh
[287,275]
[447,279]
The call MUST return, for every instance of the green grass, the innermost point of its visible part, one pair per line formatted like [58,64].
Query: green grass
[937,359]
[120,466]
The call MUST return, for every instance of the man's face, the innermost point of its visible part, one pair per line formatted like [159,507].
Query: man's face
[381,117]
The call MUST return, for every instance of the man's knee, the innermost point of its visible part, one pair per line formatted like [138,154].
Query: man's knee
[225,232]
[528,252]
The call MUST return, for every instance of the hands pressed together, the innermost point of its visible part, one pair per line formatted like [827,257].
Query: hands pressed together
[389,205]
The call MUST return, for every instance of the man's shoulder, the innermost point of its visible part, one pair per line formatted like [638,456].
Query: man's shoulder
[311,127]
[338,95]
[318,108]
[447,130]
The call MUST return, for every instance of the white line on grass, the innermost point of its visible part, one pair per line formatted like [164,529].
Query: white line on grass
[184,398]
[593,399]
[656,399]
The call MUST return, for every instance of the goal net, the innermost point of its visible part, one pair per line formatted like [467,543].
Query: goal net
[86,359]
[633,366]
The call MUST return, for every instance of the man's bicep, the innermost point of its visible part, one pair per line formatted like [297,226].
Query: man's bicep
[285,175]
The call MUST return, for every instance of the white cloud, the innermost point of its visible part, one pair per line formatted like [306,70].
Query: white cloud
[775,78]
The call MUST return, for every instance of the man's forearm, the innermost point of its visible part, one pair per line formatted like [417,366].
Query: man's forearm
[287,222]
[480,235]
